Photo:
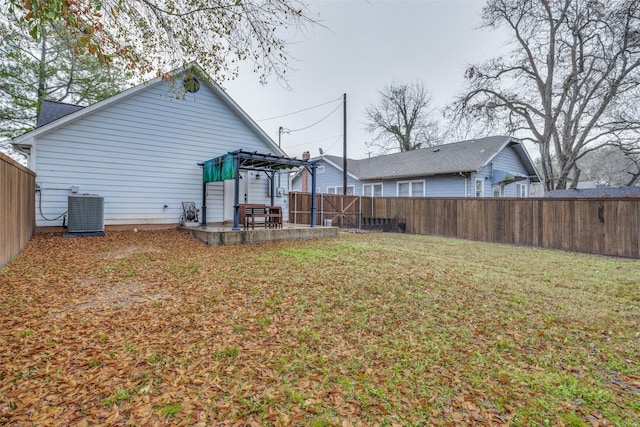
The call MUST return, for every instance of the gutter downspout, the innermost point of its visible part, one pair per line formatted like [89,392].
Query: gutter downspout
[466,183]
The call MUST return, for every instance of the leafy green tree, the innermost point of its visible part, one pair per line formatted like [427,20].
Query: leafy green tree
[50,68]
[567,83]
[160,35]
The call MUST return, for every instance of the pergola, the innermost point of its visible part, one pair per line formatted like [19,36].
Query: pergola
[229,165]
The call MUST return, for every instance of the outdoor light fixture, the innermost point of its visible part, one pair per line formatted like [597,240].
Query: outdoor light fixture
[257,175]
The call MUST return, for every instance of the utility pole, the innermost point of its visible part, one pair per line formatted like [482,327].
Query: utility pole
[280,137]
[344,144]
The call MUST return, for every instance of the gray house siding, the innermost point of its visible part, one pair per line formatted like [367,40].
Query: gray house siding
[446,186]
[472,168]
[435,186]
[508,160]
[141,153]
[327,176]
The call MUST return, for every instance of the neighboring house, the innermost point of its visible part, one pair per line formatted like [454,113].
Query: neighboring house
[589,193]
[496,166]
[140,151]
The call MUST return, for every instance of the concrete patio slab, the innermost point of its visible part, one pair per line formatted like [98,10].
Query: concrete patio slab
[220,234]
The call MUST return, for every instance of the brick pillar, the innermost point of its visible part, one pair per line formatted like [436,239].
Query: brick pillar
[305,174]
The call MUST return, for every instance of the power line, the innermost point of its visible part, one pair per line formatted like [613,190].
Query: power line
[333,145]
[335,138]
[314,141]
[313,124]
[299,111]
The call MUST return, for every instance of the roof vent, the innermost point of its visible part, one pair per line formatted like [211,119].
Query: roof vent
[191,84]
[435,150]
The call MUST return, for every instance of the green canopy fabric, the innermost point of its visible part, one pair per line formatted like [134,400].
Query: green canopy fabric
[219,169]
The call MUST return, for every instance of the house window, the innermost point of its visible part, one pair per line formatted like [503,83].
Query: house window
[411,188]
[417,189]
[479,187]
[338,190]
[372,190]
[498,190]
[521,190]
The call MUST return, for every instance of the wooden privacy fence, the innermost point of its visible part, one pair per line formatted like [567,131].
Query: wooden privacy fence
[607,226]
[341,211]
[17,207]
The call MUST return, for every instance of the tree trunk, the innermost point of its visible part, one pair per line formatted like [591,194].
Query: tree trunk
[634,178]
[42,74]
[576,178]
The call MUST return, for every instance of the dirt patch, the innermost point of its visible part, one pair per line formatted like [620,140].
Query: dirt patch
[110,295]
[125,252]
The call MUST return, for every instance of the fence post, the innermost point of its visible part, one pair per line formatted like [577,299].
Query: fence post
[360,212]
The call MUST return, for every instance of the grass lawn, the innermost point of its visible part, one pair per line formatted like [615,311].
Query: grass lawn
[367,329]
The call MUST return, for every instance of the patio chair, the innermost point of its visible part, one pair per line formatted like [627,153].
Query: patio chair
[189,213]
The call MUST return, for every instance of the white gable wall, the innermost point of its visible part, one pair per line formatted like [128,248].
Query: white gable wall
[141,154]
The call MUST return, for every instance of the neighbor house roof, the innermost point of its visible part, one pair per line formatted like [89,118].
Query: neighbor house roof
[53,110]
[595,192]
[27,139]
[463,156]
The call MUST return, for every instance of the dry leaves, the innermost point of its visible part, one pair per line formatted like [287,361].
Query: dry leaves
[154,328]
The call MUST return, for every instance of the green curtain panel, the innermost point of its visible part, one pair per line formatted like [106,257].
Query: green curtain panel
[219,169]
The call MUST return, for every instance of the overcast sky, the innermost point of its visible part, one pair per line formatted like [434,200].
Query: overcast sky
[366,45]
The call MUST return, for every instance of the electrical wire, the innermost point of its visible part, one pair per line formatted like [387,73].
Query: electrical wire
[337,139]
[314,141]
[300,111]
[334,144]
[313,124]
[40,209]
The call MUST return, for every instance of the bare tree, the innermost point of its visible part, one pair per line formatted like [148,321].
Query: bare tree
[614,166]
[401,120]
[156,36]
[574,64]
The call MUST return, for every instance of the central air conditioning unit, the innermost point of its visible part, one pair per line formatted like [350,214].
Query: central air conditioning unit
[86,213]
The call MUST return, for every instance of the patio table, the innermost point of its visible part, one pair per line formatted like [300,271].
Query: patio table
[272,215]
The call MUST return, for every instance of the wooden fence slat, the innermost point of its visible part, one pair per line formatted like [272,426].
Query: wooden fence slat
[603,226]
[17,207]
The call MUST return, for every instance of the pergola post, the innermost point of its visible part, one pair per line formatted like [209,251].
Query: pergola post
[313,194]
[236,196]
[204,202]
[272,183]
